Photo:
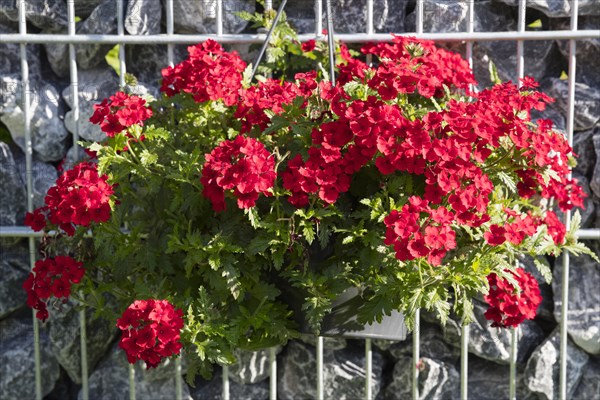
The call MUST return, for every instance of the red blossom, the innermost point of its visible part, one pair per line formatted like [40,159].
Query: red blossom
[509,306]
[51,277]
[150,331]
[119,112]
[309,45]
[242,165]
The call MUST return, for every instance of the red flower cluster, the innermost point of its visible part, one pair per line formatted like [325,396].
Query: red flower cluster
[51,277]
[210,73]
[242,164]
[420,231]
[119,112]
[268,95]
[509,306]
[410,65]
[150,331]
[79,197]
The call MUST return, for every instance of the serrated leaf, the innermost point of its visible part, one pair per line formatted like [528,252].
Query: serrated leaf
[214,261]
[147,158]
[232,275]
[544,269]
[348,240]
[308,232]
[494,73]
[508,181]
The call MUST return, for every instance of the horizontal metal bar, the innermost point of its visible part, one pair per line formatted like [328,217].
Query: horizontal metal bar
[259,38]
[24,231]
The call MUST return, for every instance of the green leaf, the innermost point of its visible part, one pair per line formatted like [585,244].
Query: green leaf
[494,73]
[147,158]
[308,232]
[544,267]
[112,59]
[214,261]
[508,181]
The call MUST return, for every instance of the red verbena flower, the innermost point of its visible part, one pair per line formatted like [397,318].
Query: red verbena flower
[119,112]
[509,306]
[150,331]
[242,165]
[51,277]
[80,197]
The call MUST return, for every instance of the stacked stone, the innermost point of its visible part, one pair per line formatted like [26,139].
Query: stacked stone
[344,372]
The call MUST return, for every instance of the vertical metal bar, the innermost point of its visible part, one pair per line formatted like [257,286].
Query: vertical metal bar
[178,382]
[272,374]
[29,183]
[219,17]
[268,38]
[416,364]
[225,383]
[513,363]
[320,368]
[464,362]
[370,28]
[121,32]
[419,11]
[131,382]
[169,9]
[465,329]
[521,28]
[268,5]
[331,44]
[318,18]
[566,259]
[368,369]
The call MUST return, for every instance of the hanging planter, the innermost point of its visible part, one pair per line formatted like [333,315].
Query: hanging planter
[391,190]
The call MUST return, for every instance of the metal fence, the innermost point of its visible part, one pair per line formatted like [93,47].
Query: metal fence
[170,39]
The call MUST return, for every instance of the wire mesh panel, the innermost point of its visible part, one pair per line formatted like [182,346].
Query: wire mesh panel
[221,13]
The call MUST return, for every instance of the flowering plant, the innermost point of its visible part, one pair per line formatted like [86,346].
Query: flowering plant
[215,200]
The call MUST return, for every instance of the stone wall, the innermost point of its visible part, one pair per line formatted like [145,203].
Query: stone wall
[52,123]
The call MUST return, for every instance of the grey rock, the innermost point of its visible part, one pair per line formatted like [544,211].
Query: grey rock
[41,13]
[17,365]
[432,346]
[10,57]
[83,8]
[94,86]
[595,182]
[14,268]
[437,380]
[587,103]
[110,380]
[448,16]
[164,371]
[349,16]
[587,50]
[57,54]
[102,20]
[48,132]
[343,371]
[43,177]
[542,369]
[583,146]
[559,8]
[146,62]
[251,366]
[584,301]
[588,213]
[213,389]
[65,338]
[539,54]
[494,343]
[10,92]
[589,385]
[12,196]
[143,17]
[490,381]
[194,16]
